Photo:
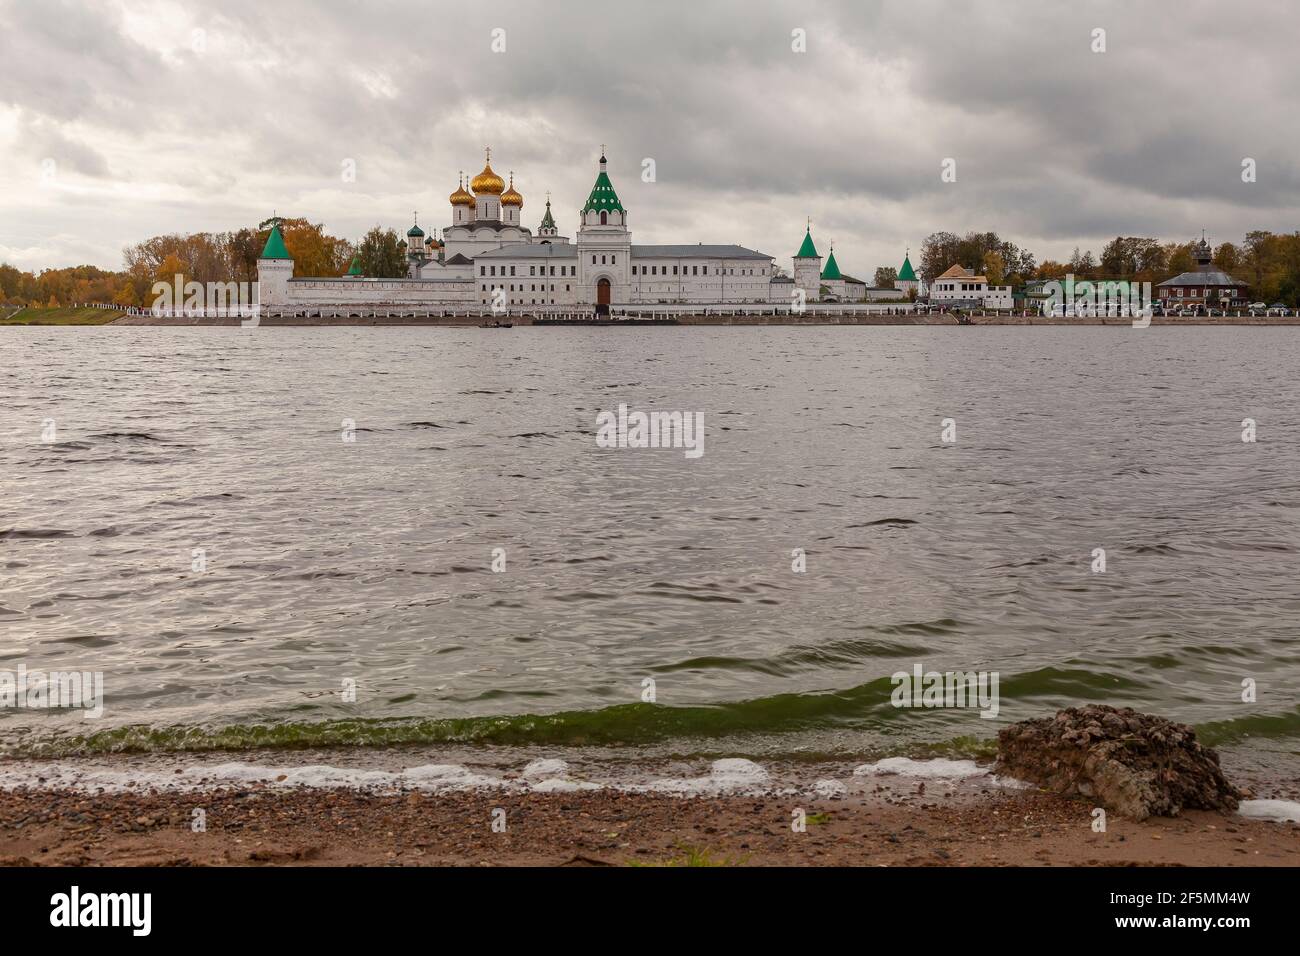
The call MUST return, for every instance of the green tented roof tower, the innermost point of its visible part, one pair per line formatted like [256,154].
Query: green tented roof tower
[832,270]
[355,268]
[274,248]
[807,250]
[907,273]
[603,197]
[548,221]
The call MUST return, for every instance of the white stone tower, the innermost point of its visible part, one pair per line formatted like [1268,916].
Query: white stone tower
[808,267]
[274,269]
[604,245]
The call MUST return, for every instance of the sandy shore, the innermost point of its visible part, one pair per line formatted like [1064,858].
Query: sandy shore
[887,821]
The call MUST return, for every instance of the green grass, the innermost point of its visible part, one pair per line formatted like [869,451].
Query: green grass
[59,316]
[694,856]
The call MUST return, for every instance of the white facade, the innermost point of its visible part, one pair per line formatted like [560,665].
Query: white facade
[486,248]
[962,286]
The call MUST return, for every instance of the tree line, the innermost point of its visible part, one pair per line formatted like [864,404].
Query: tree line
[1267,262]
[204,257]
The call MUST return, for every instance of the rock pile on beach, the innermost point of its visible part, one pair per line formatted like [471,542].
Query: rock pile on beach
[1137,765]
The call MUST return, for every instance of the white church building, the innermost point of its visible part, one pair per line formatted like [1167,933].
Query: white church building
[487,259]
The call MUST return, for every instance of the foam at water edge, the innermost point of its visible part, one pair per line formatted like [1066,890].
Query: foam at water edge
[937,768]
[1279,811]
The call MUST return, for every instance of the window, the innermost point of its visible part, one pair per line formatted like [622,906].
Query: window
[613,260]
[603,219]
[494,270]
[674,270]
[532,270]
[512,270]
[593,260]
[566,287]
[704,270]
[602,260]
[552,270]
[634,270]
[482,270]
[695,270]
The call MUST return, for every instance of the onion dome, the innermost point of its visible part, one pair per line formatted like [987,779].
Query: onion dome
[415,232]
[462,196]
[510,197]
[487,182]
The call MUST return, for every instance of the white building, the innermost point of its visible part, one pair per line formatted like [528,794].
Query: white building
[488,259]
[960,287]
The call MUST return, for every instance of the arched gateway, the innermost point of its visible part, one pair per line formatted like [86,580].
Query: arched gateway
[602,296]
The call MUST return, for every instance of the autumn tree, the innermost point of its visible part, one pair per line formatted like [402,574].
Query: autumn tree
[885,277]
[382,255]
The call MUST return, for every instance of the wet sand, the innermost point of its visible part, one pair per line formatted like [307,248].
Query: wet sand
[899,824]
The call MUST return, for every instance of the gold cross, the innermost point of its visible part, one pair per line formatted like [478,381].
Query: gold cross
[489,153]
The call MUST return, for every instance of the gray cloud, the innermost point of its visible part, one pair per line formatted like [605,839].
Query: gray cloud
[157,131]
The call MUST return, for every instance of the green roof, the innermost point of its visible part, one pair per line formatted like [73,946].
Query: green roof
[548,222]
[355,268]
[415,231]
[832,270]
[274,248]
[906,274]
[807,250]
[603,195]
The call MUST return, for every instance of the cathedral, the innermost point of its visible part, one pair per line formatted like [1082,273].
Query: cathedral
[487,258]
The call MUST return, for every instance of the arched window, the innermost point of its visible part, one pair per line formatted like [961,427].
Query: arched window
[604,219]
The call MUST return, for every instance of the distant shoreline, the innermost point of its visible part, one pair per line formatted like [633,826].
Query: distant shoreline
[519,321]
[96,316]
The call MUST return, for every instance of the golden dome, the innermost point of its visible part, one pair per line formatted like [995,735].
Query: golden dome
[487,181]
[510,197]
[461,197]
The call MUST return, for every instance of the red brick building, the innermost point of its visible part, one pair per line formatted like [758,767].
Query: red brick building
[1206,287]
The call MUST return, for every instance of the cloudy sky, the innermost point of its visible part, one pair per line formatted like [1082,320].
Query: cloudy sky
[122,119]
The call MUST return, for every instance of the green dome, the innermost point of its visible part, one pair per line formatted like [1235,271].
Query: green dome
[414,231]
